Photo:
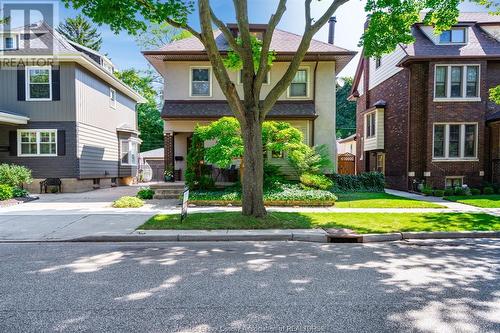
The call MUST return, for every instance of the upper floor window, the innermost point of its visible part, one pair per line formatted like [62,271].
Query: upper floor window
[455,141]
[37,142]
[456,82]
[112,97]
[453,36]
[38,83]
[9,43]
[370,124]
[299,86]
[201,83]
[378,62]
[267,79]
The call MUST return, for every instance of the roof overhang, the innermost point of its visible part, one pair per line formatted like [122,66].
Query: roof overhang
[410,59]
[84,62]
[12,118]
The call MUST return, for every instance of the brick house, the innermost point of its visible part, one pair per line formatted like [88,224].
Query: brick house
[423,113]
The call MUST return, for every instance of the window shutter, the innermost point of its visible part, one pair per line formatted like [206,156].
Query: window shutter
[61,143]
[13,143]
[21,83]
[56,83]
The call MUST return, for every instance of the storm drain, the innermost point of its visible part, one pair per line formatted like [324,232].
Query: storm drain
[343,236]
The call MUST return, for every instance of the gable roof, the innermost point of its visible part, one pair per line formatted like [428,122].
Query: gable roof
[284,43]
[46,42]
[480,44]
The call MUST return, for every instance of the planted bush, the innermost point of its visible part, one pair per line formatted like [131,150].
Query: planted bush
[488,190]
[146,193]
[364,182]
[427,191]
[6,192]
[448,192]
[316,181]
[438,193]
[19,192]
[461,191]
[128,202]
[475,191]
[14,175]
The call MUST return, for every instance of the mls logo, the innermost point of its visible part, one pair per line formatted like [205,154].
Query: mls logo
[23,27]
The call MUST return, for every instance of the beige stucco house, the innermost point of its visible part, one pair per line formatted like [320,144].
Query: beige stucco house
[193,96]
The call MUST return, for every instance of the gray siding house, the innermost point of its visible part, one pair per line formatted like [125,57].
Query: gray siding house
[63,113]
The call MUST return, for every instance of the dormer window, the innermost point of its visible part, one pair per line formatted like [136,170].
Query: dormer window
[453,36]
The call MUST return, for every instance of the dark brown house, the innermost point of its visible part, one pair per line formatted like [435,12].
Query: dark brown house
[423,113]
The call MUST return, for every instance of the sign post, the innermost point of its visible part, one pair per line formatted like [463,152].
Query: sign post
[185,198]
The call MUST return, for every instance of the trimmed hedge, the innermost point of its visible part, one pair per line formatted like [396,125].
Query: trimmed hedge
[285,195]
[364,182]
[316,181]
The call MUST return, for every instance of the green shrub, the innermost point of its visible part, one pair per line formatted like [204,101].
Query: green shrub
[14,175]
[439,193]
[128,202]
[316,181]
[364,182]
[19,192]
[146,193]
[6,192]
[427,191]
[448,192]
[488,190]
[475,191]
[306,159]
[273,177]
[461,191]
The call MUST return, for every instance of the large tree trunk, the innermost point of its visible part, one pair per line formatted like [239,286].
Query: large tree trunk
[253,172]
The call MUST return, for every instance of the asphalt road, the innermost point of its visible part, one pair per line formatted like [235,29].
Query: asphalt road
[250,287]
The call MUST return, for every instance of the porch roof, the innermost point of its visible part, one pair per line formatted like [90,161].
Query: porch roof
[13,118]
[218,109]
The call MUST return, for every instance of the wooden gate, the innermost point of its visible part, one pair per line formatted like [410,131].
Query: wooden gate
[347,164]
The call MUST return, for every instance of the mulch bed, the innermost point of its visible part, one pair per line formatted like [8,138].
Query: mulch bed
[16,201]
[288,203]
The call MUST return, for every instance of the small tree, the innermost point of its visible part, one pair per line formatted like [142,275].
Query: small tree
[495,94]
[81,31]
[197,173]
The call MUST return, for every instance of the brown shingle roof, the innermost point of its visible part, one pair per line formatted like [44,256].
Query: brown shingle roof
[199,109]
[282,41]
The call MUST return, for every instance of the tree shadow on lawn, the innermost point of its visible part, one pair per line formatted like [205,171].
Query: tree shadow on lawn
[210,287]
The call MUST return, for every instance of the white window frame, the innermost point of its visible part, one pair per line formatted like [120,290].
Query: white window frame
[112,102]
[37,131]
[464,97]
[374,113]
[14,42]
[461,158]
[130,142]
[308,85]
[27,83]
[210,79]
[238,81]
[453,177]
[466,36]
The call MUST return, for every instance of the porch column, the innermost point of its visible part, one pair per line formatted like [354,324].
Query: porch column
[169,150]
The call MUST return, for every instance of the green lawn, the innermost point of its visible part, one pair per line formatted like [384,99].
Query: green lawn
[360,222]
[379,200]
[483,201]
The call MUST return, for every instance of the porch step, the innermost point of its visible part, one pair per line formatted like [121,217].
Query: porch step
[168,193]
[174,186]
[166,196]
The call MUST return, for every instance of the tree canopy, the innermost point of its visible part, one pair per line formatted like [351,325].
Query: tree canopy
[148,114]
[495,94]
[81,31]
[345,110]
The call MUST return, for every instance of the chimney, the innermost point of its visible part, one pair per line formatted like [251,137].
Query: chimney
[331,31]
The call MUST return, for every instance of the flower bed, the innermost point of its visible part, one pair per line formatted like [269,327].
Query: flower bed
[285,195]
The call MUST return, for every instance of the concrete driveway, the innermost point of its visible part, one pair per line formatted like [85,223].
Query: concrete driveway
[71,215]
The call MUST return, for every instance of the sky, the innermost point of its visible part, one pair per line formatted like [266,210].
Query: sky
[124,52]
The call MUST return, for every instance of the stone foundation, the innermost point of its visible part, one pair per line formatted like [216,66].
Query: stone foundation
[74,185]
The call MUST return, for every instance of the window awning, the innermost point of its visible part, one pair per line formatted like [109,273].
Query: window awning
[12,118]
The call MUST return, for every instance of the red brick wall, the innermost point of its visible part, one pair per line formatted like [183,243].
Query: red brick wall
[169,150]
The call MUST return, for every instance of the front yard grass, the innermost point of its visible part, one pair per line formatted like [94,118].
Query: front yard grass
[483,201]
[379,200]
[359,222]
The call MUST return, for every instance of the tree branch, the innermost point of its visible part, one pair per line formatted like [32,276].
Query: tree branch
[266,43]
[170,21]
[208,40]
[227,34]
[309,32]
